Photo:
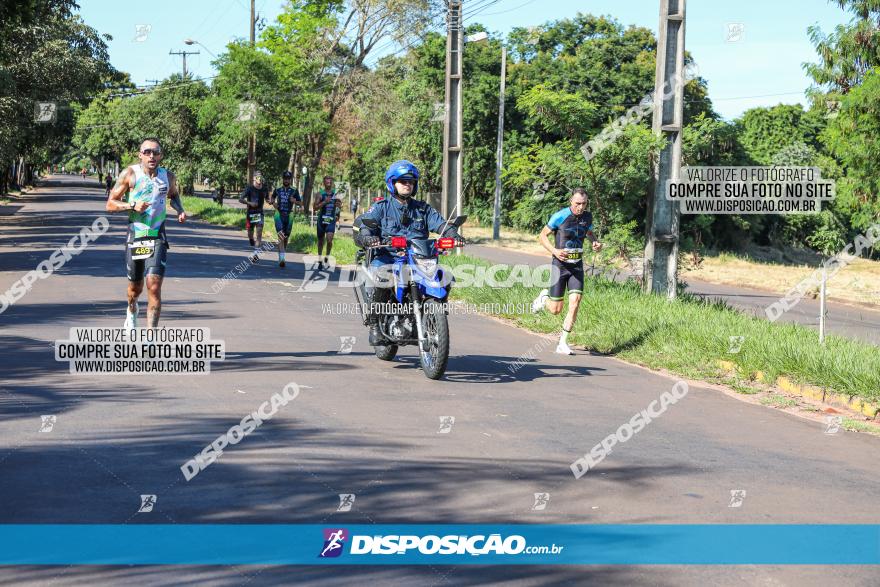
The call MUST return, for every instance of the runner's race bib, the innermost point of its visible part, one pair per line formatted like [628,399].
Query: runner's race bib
[255,217]
[328,219]
[142,248]
[574,255]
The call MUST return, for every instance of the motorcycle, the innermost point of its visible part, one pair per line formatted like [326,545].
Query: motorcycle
[420,289]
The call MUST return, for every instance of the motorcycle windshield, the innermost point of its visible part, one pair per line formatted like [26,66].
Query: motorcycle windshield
[422,247]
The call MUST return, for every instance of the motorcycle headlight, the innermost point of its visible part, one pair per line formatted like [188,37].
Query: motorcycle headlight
[428,266]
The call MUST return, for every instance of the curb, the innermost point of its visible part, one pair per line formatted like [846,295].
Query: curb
[866,408]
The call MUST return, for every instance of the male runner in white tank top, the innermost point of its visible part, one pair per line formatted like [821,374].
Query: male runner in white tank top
[143,190]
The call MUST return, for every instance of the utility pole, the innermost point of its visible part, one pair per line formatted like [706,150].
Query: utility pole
[252,139]
[660,270]
[452,127]
[183,54]
[499,156]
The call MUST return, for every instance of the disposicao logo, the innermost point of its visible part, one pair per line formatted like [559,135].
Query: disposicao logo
[334,540]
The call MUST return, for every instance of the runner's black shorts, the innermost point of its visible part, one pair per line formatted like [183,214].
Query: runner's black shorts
[154,265]
[325,228]
[568,276]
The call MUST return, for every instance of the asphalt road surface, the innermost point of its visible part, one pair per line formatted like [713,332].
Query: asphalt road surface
[369,427]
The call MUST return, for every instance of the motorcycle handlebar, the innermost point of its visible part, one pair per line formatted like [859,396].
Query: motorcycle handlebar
[386,244]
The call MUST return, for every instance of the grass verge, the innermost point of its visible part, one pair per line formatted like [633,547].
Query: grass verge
[687,336]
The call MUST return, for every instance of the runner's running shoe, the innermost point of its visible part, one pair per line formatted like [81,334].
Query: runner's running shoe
[538,304]
[563,349]
[131,318]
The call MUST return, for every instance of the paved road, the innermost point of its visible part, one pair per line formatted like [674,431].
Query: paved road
[371,428]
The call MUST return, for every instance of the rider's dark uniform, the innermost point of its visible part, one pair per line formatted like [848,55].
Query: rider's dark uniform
[414,220]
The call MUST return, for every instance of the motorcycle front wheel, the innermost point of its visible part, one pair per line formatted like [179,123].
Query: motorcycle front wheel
[436,328]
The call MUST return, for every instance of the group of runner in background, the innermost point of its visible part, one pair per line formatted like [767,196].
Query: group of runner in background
[286,199]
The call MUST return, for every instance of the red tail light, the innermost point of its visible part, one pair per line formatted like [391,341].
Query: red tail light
[445,243]
[398,242]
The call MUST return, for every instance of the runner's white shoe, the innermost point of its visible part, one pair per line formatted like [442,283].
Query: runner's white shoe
[131,318]
[563,349]
[538,304]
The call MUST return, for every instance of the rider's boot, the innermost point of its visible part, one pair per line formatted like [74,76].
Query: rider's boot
[376,295]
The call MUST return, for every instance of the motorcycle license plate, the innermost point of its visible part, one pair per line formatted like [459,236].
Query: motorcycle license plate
[142,249]
[256,218]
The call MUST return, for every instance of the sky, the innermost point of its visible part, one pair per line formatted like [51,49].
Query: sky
[750,51]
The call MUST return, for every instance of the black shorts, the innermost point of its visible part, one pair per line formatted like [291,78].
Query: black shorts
[325,228]
[154,265]
[566,276]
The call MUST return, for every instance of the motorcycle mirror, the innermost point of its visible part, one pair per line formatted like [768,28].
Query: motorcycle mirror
[459,220]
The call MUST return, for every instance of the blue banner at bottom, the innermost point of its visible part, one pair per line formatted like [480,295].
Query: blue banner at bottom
[440,544]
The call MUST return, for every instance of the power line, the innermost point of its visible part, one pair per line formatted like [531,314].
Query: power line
[479,8]
[433,27]
[428,29]
[510,9]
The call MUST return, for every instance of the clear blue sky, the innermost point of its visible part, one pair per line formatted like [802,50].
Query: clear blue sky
[764,63]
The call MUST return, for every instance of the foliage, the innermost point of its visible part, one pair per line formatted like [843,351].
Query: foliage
[47,55]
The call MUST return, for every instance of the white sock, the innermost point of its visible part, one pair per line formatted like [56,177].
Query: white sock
[280,255]
[564,338]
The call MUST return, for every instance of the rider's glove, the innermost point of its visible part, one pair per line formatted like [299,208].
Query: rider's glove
[370,241]
[459,241]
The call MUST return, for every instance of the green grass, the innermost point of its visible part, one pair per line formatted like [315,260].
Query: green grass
[859,426]
[778,401]
[687,336]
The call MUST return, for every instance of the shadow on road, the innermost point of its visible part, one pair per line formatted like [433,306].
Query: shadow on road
[497,369]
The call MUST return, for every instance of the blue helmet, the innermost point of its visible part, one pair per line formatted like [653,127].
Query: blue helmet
[399,169]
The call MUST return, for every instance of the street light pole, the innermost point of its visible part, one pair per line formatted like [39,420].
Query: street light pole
[193,42]
[499,156]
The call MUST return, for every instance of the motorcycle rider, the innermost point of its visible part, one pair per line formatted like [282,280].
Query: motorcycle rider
[397,215]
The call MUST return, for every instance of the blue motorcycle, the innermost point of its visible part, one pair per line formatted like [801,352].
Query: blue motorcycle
[417,313]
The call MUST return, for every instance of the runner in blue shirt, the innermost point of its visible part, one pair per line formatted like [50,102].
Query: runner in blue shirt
[570,226]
